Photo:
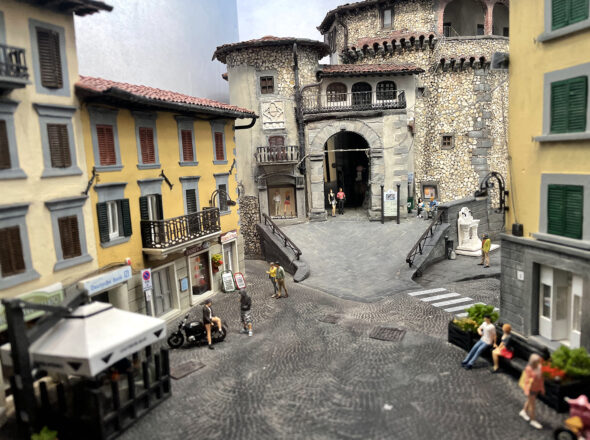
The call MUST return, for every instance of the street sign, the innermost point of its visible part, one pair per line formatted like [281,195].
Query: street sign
[146,279]
[240,281]
[228,281]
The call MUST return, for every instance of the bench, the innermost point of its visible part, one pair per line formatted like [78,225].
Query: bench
[523,348]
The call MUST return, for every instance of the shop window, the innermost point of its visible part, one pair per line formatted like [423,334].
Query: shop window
[386,91]
[336,92]
[163,295]
[228,257]
[567,12]
[565,210]
[569,105]
[281,202]
[387,18]
[447,141]
[201,281]
[429,191]
[267,85]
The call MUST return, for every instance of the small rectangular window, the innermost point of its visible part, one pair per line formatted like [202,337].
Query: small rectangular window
[11,252]
[49,58]
[5,163]
[191,201]
[59,145]
[387,18]
[447,141]
[106,145]
[447,27]
[146,142]
[480,29]
[219,150]
[267,85]
[223,207]
[187,145]
[69,236]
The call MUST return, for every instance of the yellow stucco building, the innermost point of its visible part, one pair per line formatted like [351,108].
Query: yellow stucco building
[546,254]
[160,160]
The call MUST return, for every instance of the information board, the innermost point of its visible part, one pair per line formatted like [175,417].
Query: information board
[240,281]
[228,281]
[390,203]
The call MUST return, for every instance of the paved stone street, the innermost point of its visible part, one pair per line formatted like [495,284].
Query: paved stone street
[300,378]
[363,261]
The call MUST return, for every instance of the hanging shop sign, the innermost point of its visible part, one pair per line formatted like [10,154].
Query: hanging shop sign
[192,250]
[390,203]
[106,280]
[228,281]
[47,298]
[228,236]
[240,281]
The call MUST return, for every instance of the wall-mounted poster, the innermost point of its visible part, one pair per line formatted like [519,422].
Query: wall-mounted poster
[429,191]
[281,202]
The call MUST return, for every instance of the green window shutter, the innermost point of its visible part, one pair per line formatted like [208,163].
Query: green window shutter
[159,206]
[577,104]
[574,211]
[126,217]
[559,106]
[191,201]
[103,222]
[555,209]
[578,11]
[143,208]
[559,14]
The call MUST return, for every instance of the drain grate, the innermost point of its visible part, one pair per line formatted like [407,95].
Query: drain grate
[179,371]
[387,334]
[330,319]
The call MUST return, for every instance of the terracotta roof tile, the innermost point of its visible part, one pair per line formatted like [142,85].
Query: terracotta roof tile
[270,40]
[367,69]
[104,86]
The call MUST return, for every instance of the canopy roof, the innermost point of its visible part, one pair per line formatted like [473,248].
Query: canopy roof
[92,338]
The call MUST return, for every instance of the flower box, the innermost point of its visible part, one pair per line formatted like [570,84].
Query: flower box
[461,338]
[556,391]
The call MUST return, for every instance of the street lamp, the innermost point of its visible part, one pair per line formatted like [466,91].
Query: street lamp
[221,193]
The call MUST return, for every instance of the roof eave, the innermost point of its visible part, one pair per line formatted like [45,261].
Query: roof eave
[78,7]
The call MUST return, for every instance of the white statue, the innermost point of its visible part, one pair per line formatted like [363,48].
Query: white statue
[469,241]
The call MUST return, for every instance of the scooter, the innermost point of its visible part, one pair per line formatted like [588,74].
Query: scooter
[578,424]
[195,333]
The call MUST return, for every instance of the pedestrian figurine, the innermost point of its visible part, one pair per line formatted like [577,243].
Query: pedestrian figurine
[532,383]
[208,320]
[341,199]
[272,274]
[245,315]
[420,207]
[487,331]
[505,348]
[280,277]
[277,201]
[332,202]
[486,244]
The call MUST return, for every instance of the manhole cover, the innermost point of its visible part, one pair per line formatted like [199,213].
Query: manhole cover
[387,334]
[179,371]
[330,319]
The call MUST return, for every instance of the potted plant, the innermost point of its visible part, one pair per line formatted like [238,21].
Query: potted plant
[45,434]
[567,374]
[216,261]
[462,332]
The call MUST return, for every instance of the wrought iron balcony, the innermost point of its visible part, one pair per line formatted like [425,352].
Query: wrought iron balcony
[13,67]
[277,154]
[354,101]
[179,231]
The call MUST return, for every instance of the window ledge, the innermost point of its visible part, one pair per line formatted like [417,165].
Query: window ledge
[60,172]
[222,213]
[13,173]
[115,242]
[220,162]
[148,166]
[572,28]
[20,278]
[188,164]
[563,137]
[70,262]
[103,168]
[565,241]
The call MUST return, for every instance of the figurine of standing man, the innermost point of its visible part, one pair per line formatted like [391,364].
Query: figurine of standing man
[486,244]
[341,198]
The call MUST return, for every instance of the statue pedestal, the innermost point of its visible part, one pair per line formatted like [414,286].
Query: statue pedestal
[469,242]
[475,253]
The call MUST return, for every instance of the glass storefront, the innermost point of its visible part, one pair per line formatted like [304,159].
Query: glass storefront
[281,202]
[200,273]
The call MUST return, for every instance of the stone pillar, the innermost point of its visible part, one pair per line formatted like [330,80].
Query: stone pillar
[489,18]
[377,179]
[318,212]
[119,297]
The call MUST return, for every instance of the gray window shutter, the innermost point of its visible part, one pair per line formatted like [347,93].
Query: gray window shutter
[103,222]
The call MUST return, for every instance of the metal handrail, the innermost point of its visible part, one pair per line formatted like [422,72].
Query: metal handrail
[419,246]
[276,230]
[12,62]
[345,101]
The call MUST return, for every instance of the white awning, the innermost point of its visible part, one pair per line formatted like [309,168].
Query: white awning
[92,338]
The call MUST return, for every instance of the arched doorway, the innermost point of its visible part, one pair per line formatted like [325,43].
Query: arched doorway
[346,165]
[464,17]
[500,20]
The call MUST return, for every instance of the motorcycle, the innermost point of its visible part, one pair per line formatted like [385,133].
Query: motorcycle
[195,333]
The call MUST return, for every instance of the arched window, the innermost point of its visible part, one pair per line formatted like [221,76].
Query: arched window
[336,92]
[361,94]
[386,91]
[464,17]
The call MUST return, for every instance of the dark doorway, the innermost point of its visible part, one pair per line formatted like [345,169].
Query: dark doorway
[347,167]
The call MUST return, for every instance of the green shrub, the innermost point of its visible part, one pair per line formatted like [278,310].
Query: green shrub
[574,362]
[477,311]
[45,434]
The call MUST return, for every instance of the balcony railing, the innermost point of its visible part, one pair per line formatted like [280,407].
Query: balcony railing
[164,234]
[277,154]
[354,101]
[12,63]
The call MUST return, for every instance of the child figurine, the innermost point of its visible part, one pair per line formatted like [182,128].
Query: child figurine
[532,383]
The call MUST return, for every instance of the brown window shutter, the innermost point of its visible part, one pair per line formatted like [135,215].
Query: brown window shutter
[4,150]
[11,252]
[59,147]
[106,145]
[276,141]
[69,236]
[49,58]
[146,141]
[219,153]
[187,145]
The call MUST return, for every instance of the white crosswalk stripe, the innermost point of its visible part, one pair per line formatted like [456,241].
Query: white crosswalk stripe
[450,302]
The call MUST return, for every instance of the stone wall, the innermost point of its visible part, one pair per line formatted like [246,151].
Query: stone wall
[249,217]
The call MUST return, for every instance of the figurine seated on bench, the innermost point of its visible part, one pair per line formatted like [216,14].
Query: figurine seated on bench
[432,208]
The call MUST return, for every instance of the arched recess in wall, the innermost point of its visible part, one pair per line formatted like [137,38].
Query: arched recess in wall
[500,20]
[464,17]
[386,91]
[336,92]
[361,94]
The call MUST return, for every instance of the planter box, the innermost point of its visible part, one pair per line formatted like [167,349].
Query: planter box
[460,338]
[556,391]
